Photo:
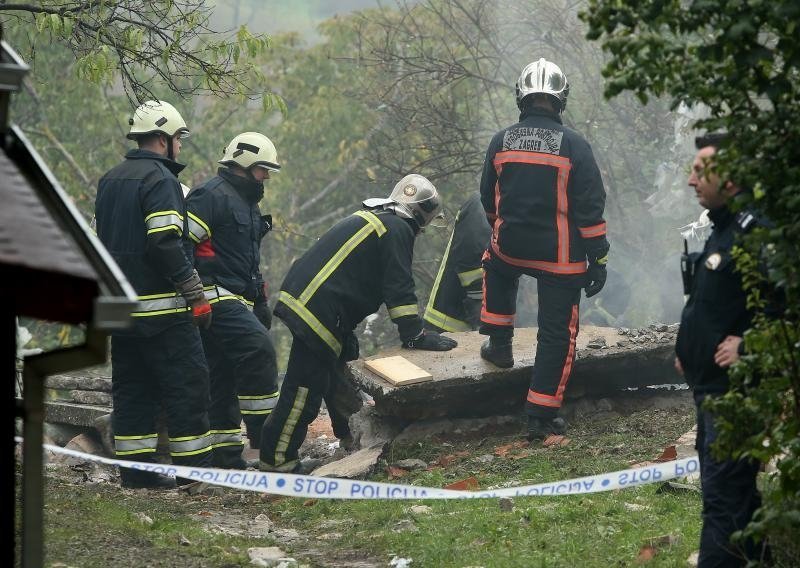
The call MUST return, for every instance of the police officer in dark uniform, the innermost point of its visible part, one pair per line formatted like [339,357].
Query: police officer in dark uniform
[713,323]
[456,296]
[544,197]
[141,220]
[360,263]
[227,226]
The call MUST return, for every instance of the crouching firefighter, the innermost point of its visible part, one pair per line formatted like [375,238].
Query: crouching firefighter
[360,263]
[227,226]
[158,361]
[456,296]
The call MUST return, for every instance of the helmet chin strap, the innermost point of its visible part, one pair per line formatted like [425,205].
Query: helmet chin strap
[170,152]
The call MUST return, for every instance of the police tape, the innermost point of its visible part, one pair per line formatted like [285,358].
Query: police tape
[295,485]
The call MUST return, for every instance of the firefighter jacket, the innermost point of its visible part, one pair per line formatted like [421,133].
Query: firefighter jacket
[227,227]
[544,197]
[716,307]
[460,274]
[360,263]
[141,220]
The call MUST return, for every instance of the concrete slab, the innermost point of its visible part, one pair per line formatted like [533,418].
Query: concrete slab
[463,385]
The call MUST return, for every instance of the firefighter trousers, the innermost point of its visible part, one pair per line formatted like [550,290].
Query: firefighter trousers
[730,497]
[556,335]
[244,379]
[167,370]
[309,379]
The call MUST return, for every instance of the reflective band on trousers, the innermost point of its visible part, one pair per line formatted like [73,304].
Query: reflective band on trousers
[470,276]
[129,445]
[163,221]
[401,311]
[190,445]
[221,438]
[259,404]
[289,426]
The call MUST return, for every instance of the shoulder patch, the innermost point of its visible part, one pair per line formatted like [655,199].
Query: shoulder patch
[745,221]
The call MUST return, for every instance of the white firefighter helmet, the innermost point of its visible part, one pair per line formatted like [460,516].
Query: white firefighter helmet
[543,77]
[157,116]
[416,198]
[251,149]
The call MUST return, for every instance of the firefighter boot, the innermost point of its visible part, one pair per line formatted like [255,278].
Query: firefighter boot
[541,428]
[139,479]
[498,351]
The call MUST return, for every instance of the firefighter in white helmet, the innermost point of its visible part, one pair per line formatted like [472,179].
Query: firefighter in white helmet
[544,197]
[141,219]
[360,263]
[227,227]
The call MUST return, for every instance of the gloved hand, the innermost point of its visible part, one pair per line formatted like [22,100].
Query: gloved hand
[595,278]
[430,341]
[192,291]
[350,350]
[262,312]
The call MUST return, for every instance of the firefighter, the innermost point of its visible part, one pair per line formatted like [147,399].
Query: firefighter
[713,323]
[227,227]
[360,263]
[455,302]
[543,195]
[159,360]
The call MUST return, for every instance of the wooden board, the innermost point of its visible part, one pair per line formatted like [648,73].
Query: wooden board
[398,370]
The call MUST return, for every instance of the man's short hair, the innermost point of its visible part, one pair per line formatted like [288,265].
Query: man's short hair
[147,139]
[714,139]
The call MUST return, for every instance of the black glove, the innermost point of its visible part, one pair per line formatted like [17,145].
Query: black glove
[595,278]
[430,341]
[262,312]
[350,351]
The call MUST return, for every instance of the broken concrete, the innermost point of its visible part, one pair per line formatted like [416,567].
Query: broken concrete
[354,466]
[607,361]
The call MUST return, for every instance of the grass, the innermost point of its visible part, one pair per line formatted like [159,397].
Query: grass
[98,526]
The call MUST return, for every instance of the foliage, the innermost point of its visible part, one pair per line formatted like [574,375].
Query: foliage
[741,61]
[151,46]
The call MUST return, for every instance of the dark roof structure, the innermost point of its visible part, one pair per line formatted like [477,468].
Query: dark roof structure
[52,267]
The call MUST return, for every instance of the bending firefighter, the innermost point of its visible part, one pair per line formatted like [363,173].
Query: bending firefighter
[360,263]
[542,193]
[455,302]
[227,227]
[159,361]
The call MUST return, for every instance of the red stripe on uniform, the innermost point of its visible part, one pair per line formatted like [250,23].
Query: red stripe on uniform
[554,267]
[594,231]
[554,401]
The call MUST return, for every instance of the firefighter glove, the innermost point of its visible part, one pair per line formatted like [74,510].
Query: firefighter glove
[191,289]
[201,314]
[262,312]
[596,276]
[430,341]
[350,350]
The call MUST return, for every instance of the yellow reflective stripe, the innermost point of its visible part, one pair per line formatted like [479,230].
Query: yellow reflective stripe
[404,310]
[198,230]
[288,427]
[437,282]
[145,437]
[311,320]
[160,312]
[373,220]
[468,277]
[444,321]
[340,255]
[157,296]
[132,452]
[175,228]
[161,213]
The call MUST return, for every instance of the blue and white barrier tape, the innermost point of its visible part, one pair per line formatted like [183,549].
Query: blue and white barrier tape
[292,485]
